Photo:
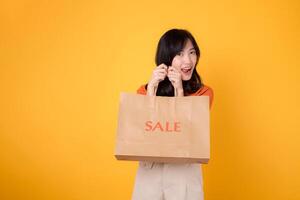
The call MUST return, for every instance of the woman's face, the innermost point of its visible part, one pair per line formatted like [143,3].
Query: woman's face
[185,61]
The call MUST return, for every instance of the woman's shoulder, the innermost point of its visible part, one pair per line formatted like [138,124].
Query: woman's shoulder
[142,89]
[204,90]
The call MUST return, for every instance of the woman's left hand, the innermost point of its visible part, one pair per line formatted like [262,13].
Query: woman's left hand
[175,78]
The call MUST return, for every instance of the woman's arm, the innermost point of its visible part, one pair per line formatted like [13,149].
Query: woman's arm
[151,90]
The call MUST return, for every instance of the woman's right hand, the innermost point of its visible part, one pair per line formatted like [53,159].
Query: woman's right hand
[158,75]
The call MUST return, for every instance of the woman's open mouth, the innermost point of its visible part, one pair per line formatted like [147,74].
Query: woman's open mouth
[186,71]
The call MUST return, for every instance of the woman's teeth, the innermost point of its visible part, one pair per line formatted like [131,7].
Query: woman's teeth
[186,70]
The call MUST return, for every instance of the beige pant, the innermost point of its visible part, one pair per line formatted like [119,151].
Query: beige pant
[166,181]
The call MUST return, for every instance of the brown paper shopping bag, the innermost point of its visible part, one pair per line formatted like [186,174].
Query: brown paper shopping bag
[163,129]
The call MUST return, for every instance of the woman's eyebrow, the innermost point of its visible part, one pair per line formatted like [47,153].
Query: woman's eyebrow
[193,48]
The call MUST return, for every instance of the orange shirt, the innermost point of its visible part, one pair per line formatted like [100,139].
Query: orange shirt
[204,90]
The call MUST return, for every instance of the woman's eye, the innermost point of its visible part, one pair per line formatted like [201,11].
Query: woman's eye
[193,52]
[180,54]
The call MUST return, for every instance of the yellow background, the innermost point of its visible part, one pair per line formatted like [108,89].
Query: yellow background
[64,63]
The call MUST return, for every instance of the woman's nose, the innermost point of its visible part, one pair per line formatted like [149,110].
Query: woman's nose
[187,59]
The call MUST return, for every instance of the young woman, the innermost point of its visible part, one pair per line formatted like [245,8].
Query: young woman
[176,58]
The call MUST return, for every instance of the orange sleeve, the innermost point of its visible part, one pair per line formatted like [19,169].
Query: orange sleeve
[210,93]
[206,91]
[142,90]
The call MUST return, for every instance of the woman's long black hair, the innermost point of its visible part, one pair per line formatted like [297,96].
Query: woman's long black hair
[170,44]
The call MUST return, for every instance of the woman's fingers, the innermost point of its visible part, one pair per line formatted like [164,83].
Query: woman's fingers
[160,76]
[173,70]
[174,74]
[160,71]
[162,66]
